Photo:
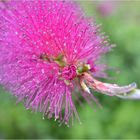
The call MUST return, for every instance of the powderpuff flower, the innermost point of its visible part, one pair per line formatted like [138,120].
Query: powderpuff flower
[48,51]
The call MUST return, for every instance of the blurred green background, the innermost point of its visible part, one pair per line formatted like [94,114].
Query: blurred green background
[118,118]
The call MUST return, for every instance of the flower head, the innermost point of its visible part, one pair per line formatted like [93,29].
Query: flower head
[48,50]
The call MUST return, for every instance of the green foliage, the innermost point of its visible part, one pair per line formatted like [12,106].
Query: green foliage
[118,118]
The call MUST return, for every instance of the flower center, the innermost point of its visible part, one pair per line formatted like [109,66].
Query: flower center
[69,72]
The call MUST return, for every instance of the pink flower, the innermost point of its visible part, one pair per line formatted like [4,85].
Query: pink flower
[107,8]
[48,50]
